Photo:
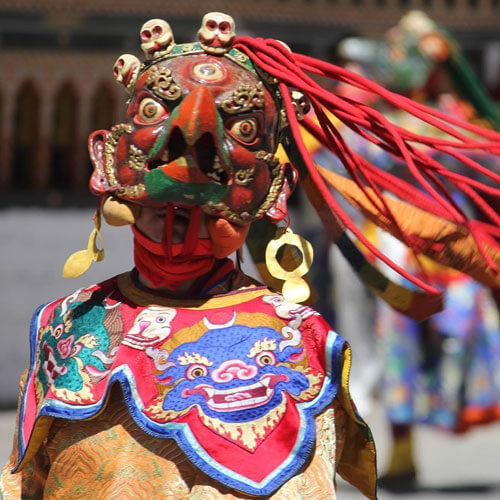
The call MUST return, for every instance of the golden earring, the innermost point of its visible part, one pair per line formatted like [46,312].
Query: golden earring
[118,212]
[80,261]
[295,288]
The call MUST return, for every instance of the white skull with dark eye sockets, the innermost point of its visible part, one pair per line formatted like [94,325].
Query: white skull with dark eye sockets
[157,38]
[216,33]
[126,69]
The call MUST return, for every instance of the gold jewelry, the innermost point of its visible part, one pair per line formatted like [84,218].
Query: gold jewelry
[117,212]
[80,261]
[295,289]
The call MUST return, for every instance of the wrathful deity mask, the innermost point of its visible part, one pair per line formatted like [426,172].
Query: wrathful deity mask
[201,129]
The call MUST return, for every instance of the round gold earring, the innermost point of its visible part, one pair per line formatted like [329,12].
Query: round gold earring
[295,288]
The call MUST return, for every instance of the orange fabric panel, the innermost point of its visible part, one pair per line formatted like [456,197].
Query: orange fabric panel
[457,250]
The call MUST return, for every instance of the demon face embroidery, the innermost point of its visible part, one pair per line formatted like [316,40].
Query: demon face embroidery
[240,379]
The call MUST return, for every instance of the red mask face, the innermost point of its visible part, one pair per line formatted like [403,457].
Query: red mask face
[200,130]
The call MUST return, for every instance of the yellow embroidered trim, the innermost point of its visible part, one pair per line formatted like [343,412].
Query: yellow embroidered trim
[142,298]
[344,395]
[358,463]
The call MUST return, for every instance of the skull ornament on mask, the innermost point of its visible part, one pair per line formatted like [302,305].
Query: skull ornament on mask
[126,69]
[157,38]
[200,130]
[216,33]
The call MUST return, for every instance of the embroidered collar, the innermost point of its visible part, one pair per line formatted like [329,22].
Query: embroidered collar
[133,291]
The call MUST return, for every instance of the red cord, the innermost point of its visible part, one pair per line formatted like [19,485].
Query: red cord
[430,194]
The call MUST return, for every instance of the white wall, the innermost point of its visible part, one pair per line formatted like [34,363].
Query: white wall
[34,245]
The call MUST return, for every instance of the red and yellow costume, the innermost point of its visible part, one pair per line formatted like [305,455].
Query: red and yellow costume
[235,391]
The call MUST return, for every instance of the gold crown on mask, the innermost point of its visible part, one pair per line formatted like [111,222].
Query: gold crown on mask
[216,36]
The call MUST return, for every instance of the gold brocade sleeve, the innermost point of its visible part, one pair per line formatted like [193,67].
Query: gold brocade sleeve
[29,483]
[357,463]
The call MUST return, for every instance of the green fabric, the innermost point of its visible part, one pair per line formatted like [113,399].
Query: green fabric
[163,188]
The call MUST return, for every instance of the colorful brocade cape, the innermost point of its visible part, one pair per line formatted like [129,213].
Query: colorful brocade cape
[236,380]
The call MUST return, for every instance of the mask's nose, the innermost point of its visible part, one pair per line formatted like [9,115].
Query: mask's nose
[197,168]
[196,130]
[197,165]
[197,115]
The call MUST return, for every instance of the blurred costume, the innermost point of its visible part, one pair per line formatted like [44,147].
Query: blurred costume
[227,387]
[443,371]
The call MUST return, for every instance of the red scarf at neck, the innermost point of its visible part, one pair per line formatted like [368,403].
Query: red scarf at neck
[171,264]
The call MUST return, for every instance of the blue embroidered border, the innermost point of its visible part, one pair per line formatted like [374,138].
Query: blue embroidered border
[182,433]
[33,337]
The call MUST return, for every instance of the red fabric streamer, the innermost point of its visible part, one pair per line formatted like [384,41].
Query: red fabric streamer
[430,176]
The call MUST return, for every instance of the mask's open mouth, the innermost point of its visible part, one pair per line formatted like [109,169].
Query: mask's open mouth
[208,160]
[203,153]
